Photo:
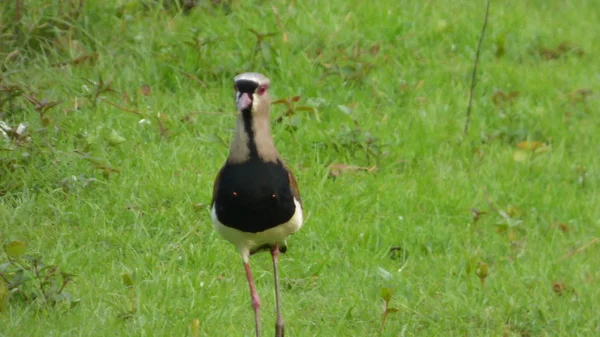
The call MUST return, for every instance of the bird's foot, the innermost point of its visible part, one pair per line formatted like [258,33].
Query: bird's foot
[279,330]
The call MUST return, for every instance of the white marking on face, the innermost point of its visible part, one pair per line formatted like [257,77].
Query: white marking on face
[238,95]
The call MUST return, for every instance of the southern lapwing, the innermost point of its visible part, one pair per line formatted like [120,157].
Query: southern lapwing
[256,204]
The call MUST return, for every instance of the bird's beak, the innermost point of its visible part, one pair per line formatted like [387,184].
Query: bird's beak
[244,101]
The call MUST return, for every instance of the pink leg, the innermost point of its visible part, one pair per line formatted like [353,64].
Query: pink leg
[279,329]
[254,297]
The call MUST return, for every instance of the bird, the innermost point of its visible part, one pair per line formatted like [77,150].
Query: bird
[256,202]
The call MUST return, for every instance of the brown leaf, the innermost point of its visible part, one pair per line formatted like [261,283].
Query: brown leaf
[580,95]
[287,101]
[530,145]
[561,50]
[189,118]
[164,132]
[146,90]
[280,101]
[562,227]
[500,98]
[477,214]
[513,211]
[560,288]
[125,98]
[374,50]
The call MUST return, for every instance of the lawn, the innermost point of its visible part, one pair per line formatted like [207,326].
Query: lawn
[127,110]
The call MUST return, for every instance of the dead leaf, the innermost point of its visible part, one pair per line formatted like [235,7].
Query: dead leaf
[500,98]
[125,97]
[534,146]
[291,107]
[287,101]
[190,118]
[529,145]
[563,49]
[374,50]
[161,118]
[562,227]
[560,288]
[146,90]
[477,214]
[513,211]
[580,95]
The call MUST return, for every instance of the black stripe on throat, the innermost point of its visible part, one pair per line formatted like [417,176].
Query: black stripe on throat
[248,128]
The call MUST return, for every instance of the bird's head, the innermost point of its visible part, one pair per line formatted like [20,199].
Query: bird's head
[252,94]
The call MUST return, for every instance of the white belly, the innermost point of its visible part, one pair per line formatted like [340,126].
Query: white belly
[246,242]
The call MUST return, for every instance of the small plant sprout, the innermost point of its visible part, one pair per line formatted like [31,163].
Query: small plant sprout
[386,295]
[482,272]
[27,279]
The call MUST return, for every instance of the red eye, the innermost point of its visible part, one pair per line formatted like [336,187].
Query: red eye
[261,90]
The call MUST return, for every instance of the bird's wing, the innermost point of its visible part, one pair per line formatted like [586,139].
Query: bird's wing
[216,186]
[293,183]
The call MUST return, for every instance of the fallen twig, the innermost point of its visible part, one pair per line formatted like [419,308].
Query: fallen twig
[193,77]
[474,75]
[581,249]
[122,108]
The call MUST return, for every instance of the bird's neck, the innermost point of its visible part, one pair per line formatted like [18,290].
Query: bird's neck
[252,140]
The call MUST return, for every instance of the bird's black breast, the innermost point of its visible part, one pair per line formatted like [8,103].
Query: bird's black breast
[254,196]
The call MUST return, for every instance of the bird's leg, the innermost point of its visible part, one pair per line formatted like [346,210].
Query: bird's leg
[279,330]
[254,297]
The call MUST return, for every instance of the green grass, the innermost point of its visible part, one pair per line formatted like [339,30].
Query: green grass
[404,69]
